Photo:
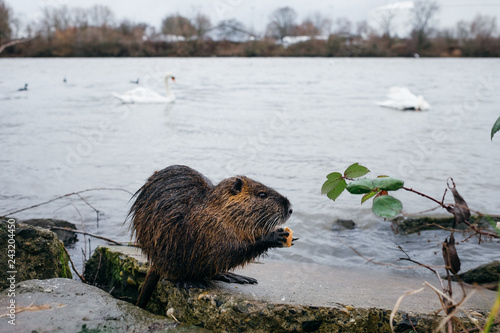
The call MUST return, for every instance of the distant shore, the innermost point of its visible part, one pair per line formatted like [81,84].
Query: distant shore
[334,46]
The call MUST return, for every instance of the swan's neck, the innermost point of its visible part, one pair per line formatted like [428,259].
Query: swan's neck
[167,87]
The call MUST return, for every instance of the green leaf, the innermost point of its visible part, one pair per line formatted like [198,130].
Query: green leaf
[388,183]
[355,170]
[331,182]
[386,206]
[360,186]
[334,194]
[368,196]
[334,175]
[495,128]
[329,185]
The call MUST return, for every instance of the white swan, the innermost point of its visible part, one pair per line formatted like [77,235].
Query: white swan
[401,98]
[144,95]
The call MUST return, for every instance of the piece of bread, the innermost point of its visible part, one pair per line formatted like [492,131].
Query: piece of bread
[290,237]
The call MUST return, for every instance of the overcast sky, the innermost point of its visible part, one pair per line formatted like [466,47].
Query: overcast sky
[254,13]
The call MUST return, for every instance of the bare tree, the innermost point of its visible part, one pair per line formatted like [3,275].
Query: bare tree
[232,30]
[126,27]
[323,24]
[385,21]
[307,28]
[344,26]
[80,18]
[476,37]
[5,18]
[178,25]
[202,25]
[462,30]
[100,16]
[363,29]
[282,22]
[54,19]
[7,35]
[483,27]
[423,12]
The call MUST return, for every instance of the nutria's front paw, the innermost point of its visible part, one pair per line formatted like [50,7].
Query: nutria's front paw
[277,238]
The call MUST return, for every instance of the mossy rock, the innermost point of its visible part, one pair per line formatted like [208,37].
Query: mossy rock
[414,224]
[229,308]
[116,273]
[488,275]
[67,237]
[39,254]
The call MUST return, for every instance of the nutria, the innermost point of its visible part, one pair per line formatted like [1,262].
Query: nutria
[191,230]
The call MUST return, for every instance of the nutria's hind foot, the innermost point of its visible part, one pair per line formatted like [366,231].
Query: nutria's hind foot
[201,284]
[234,278]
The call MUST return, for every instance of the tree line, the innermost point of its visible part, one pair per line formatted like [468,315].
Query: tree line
[85,32]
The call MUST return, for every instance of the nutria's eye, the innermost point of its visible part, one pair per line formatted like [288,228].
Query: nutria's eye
[262,195]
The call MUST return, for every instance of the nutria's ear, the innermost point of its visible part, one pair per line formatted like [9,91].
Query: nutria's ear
[237,186]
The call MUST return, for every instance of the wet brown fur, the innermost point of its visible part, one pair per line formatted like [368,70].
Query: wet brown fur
[192,230]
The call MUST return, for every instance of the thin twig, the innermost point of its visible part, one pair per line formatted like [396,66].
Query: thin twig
[88,203]
[380,263]
[426,196]
[444,228]
[422,212]
[64,196]
[98,268]
[73,265]
[84,237]
[444,195]
[91,235]
[481,232]
[456,307]
[398,303]
[422,265]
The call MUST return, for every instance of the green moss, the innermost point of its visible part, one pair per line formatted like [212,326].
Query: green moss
[39,253]
[89,330]
[116,273]
[416,224]
[224,311]
[64,271]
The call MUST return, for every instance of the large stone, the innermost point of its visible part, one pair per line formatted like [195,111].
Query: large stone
[487,274]
[414,224]
[35,253]
[67,237]
[63,305]
[290,297]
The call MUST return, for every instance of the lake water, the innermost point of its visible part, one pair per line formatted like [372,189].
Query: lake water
[284,122]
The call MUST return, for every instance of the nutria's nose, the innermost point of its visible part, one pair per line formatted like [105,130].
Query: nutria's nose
[290,211]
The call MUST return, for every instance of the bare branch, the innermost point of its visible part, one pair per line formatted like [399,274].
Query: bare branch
[64,196]
[73,265]
[93,235]
[426,196]
[14,42]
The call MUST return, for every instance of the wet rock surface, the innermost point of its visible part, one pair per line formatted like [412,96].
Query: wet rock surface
[487,275]
[415,224]
[38,253]
[67,237]
[339,225]
[290,297]
[64,305]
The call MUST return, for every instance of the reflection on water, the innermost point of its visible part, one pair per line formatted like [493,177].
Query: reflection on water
[285,122]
